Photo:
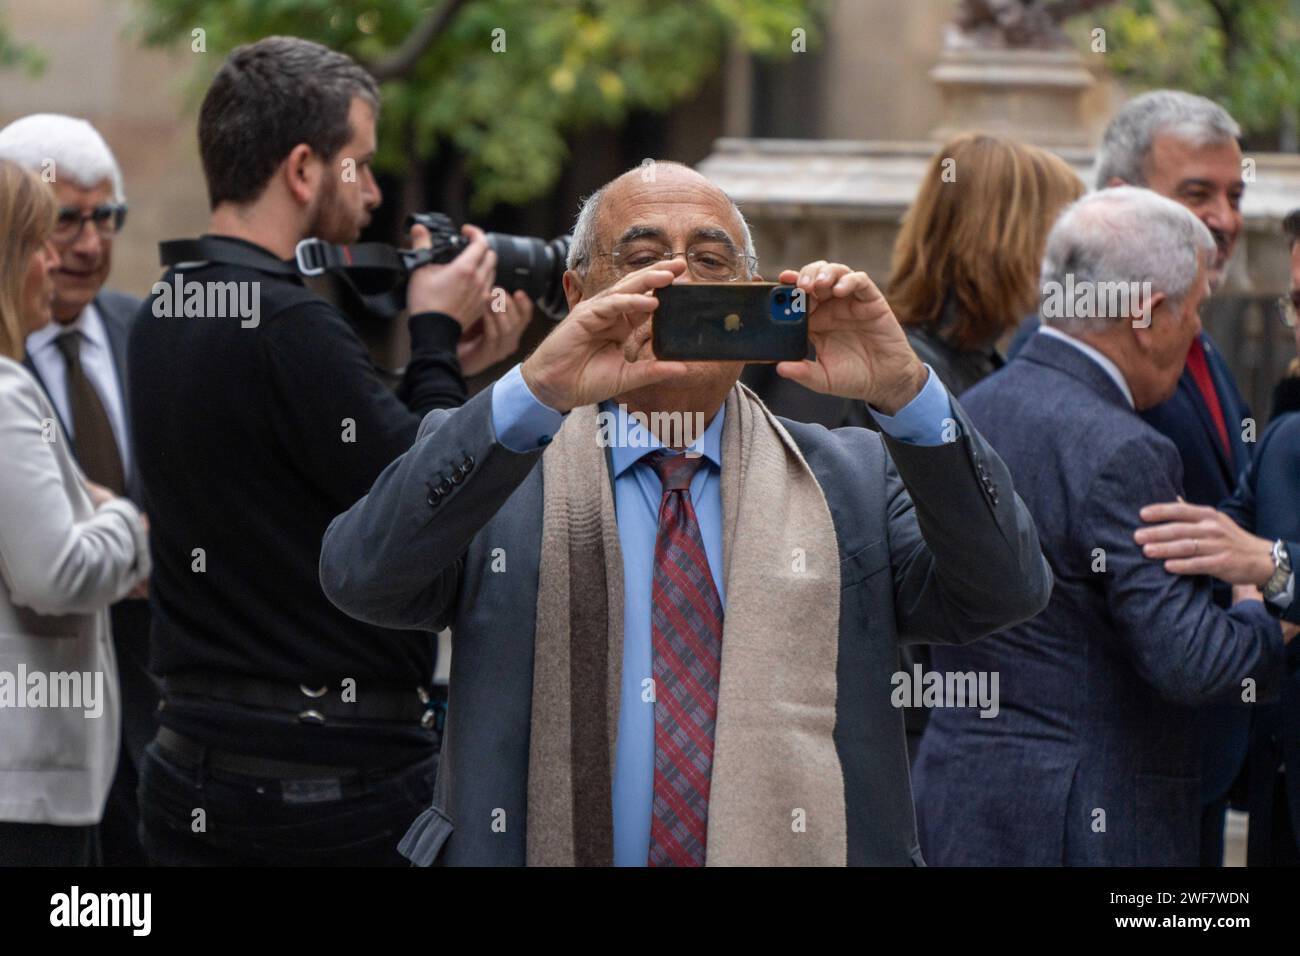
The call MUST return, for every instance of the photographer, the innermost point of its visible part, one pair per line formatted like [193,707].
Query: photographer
[290,734]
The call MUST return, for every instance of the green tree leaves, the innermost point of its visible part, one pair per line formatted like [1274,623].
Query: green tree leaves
[506,79]
[1244,54]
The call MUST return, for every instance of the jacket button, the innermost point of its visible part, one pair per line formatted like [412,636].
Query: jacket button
[445,485]
[469,464]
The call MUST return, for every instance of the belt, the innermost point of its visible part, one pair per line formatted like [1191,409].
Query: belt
[191,753]
[422,705]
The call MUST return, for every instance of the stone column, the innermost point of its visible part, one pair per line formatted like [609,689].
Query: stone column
[1030,94]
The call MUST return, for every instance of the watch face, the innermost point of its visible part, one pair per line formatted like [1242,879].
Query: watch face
[1276,584]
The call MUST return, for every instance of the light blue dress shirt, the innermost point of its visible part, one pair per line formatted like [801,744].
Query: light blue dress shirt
[522,423]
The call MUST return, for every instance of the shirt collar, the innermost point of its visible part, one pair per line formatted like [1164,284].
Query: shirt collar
[1107,366]
[88,323]
[641,441]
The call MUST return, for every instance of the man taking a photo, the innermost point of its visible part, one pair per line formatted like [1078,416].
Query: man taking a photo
[290,734]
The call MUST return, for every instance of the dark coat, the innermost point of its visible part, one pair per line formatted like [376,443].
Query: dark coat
[1097,725]
[1267,503]
[1209,476]
[401,557]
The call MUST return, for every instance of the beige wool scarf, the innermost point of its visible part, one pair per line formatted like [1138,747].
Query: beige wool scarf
[777,791]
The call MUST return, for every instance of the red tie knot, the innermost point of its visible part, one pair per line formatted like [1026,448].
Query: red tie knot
[675,469]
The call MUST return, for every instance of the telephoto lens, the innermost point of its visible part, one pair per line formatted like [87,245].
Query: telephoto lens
[524,263]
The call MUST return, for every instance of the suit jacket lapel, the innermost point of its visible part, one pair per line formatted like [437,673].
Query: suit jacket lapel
[1187,384]
[1225,388]
[116,329]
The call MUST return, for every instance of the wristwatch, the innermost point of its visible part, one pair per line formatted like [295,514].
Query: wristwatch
[1281,576]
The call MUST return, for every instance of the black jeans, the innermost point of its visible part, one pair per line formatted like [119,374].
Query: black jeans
[250,821]
[43,844]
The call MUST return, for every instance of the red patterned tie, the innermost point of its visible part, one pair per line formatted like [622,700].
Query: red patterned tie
[686,624]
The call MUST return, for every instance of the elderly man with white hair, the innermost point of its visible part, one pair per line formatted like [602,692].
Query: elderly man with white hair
[80,361]
[1093,756]
[1185,147]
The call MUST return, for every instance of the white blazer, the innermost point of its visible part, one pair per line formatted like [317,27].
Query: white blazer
[62,563]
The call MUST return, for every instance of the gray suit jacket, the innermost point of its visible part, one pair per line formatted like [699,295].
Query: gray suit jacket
[939,548]
[1094,757]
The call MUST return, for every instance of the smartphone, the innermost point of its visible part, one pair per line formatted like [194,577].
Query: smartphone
[730,322]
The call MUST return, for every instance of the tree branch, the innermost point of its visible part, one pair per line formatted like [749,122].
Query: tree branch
[403,59]
[1228,24]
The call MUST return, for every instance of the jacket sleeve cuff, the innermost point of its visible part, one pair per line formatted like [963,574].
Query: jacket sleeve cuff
[926,420]
[522,423]
[126,510]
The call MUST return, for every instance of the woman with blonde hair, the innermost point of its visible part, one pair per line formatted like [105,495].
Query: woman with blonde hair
[68,549]
[966,261]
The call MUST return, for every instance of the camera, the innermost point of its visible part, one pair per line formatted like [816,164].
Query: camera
[535,266]
[369,280]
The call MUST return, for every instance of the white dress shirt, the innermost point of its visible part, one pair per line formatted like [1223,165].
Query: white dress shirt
[100,368]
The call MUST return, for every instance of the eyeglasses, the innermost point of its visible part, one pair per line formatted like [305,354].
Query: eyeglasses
[709,261]
[108,219]
[1288,306]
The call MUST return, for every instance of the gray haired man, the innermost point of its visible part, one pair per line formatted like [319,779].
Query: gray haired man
[1185,147]
[80,361]
[1096,758]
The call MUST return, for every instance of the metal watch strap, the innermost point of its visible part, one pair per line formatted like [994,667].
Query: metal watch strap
[1277,582]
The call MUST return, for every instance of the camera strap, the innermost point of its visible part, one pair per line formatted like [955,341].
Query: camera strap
[227,251]
[312,257]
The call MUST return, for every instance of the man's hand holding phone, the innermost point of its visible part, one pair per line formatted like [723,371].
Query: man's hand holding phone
[861,350]
[583,360]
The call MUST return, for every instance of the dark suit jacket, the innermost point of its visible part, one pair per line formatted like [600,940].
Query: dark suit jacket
[939,548]
[957,369]
[1267,503]
[1096,692]
[1209,476]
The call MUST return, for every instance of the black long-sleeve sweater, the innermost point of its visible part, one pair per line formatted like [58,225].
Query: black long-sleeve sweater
[250,439]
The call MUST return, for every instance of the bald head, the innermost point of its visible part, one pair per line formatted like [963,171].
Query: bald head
[658,208]
[659,201]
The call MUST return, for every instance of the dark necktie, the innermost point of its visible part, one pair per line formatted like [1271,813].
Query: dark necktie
[97,451]
[686,626]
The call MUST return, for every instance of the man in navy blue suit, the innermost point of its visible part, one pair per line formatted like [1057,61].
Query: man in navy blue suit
[1092,757]
[1185,147]
[1254,540]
